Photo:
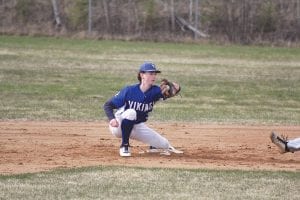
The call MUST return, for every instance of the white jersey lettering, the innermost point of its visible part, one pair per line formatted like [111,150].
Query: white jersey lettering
[140,106]
[130,104]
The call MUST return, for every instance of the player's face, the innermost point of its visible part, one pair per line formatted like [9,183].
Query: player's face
[149,77]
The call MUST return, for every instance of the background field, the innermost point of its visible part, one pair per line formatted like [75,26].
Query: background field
[65,79]
[59,79]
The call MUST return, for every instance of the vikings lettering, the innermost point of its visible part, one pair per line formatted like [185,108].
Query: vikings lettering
[140,106]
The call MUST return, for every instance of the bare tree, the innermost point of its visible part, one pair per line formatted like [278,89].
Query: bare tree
[196,17]
[133,16]
[90,17]
[106,13]
[298,13]
[172,15]
[191,11]
[56,14]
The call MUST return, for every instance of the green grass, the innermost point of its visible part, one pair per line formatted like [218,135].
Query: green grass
[141,183]
[67,79]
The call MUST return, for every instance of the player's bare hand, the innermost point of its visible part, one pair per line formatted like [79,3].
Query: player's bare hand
[114,123]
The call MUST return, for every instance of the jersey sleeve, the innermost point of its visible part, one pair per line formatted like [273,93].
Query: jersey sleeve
[109,109]
[159,95]
[119,99]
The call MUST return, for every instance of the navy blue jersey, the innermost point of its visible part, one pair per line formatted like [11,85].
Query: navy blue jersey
[133,98]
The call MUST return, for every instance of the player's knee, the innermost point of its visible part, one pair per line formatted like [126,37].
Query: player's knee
[162,144]
[129,114]
[115,131]
[165,143]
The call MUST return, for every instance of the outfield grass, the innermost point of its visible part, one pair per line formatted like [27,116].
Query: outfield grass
[142,183]
[58,79]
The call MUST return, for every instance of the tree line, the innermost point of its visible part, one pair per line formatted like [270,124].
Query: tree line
[236,21]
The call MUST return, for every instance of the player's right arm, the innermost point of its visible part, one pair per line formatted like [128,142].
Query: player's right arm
[115,102]
[109,111]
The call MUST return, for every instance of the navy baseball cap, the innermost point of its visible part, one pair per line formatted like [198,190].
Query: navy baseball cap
[148,67]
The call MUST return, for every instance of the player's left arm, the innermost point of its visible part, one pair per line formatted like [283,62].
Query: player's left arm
[169,89]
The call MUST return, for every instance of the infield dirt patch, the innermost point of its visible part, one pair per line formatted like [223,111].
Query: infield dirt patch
[27,146]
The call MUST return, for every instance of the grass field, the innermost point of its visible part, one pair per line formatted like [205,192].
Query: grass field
[58,79]
[66,79]
[142,183]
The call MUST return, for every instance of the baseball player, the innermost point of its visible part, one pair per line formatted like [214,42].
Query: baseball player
[133,104]
[284,144]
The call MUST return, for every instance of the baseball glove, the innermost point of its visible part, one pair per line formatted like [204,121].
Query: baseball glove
[169,89]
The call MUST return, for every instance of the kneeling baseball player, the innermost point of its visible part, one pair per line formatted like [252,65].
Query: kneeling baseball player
[132,105]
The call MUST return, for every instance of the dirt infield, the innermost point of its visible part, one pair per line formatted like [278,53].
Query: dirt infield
[40,146]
